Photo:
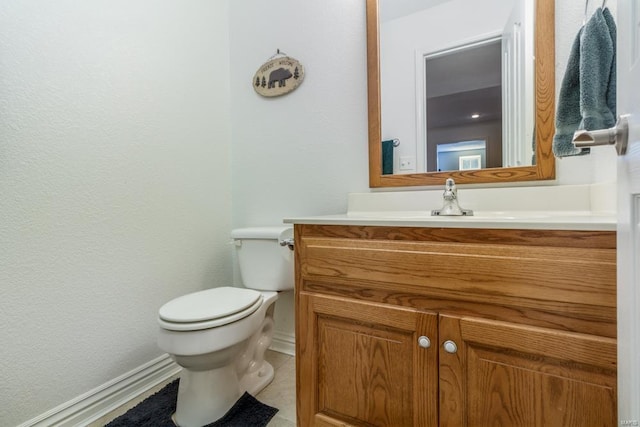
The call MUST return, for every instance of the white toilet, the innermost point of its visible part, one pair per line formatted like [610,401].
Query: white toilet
[219,336]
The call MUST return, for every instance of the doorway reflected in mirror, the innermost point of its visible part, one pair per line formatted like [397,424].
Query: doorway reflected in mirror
[463,97]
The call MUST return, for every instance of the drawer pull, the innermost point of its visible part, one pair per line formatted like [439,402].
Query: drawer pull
[450,347]
[424,342]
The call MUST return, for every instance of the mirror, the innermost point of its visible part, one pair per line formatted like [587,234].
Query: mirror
[471,154]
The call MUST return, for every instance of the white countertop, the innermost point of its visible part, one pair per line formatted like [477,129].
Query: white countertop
[575,207]
[511,220]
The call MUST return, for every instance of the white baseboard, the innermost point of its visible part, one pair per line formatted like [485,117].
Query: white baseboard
[284,343]
[100,401]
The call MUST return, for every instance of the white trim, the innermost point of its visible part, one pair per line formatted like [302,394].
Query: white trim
[284,343]
[421,111]
[100,401]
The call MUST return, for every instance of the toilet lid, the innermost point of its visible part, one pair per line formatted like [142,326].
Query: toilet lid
[211,304]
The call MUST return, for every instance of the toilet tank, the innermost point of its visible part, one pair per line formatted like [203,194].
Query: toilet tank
[264,264]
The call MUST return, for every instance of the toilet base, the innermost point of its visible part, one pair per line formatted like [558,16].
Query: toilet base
[205,396]
[256,381]
[201,399]
[253,371]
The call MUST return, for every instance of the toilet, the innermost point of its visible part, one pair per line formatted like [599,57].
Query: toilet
[219,336]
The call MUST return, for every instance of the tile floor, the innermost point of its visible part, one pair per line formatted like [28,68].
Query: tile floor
[281,393]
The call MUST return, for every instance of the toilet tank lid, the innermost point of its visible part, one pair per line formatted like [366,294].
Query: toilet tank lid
[272,232]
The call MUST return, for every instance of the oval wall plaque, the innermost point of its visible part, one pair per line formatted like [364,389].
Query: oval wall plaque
[278,76]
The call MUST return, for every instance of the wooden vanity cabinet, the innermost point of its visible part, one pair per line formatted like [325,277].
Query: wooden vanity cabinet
[507,374]
[402,326]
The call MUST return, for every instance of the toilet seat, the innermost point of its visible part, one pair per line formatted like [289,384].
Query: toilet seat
[209,308]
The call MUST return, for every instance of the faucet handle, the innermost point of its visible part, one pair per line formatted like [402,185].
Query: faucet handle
[450,190]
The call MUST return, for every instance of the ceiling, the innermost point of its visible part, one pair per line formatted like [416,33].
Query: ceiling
[463,83]
[393,9]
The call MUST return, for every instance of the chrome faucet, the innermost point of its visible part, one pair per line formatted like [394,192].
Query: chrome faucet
[451,206]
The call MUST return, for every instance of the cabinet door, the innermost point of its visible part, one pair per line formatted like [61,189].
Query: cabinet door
[504,374]
[361,363]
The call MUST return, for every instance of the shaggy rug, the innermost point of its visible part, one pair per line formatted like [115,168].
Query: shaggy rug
[156,411]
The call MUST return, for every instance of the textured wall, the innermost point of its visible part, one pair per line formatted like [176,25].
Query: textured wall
[299,154]
[114,185]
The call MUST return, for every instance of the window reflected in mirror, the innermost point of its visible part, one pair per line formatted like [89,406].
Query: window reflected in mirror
[461,155]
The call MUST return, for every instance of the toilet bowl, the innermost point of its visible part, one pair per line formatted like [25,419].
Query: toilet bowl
[219,336]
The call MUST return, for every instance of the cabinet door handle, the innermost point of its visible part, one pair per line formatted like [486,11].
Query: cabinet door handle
[424,342]
[450,346]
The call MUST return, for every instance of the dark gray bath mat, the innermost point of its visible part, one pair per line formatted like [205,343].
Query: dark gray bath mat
[156,411]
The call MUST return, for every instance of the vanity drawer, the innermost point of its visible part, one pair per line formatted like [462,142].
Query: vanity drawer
[552,278]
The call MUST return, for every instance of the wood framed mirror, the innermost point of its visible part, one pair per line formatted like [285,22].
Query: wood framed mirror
[544,92]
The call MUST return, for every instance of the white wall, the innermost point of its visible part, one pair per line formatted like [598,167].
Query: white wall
[115,185]
[299,154]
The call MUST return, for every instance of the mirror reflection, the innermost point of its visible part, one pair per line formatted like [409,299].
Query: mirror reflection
[463,92]
[456,84]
